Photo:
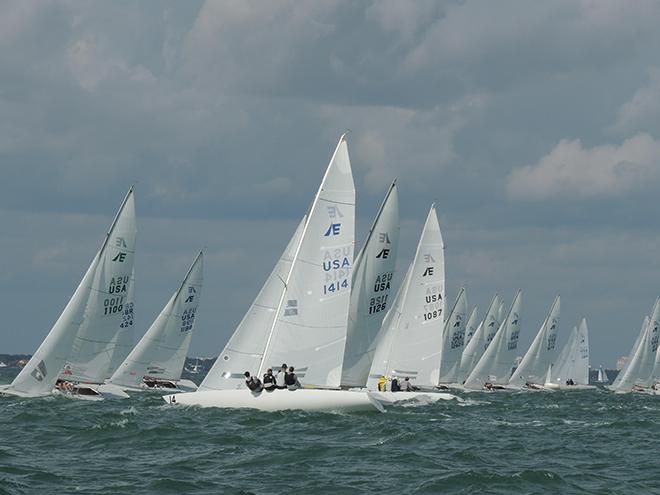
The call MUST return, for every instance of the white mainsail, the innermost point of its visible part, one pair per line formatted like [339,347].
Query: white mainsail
[161,353]
[453,339]
[410,343]
[309,330]
[496,363]
[573,362]
[370,295]
[638,340]
[91,354]
[640,369]
[122,344]
[245,347]
[479,341]
[471,326]
[38,377]
[304,319]
[541,354]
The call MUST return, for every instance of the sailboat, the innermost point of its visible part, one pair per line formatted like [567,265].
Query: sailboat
[479,342]
[622,372]
[493,370]
[638,376]
[122,344]
[371,292]
[157,360]
[471,326]
[532,370]
[602,376]
[453,340]
[411,340]
[300,316]
[76,348]
[571,369]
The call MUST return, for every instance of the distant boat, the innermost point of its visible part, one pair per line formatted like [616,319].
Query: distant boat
[531,372]
[78,349]
[494,368]
[602,378]
[571,369]
[157,360]
[639,374]
[3,364]
[195,369]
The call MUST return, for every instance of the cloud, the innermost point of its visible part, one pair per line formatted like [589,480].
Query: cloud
[642,111]
[571,171]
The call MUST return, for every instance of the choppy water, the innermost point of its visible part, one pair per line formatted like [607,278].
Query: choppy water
[579,442]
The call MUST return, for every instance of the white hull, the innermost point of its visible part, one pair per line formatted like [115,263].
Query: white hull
[568,388]
[389,398]
[94,391]
[280,400]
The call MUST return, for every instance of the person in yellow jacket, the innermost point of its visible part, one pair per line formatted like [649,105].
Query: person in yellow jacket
[382,383]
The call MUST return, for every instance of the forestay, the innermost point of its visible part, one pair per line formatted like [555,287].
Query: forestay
[453,339]
[573,362]
[90,357]
[640,369]
[161,353]
[245,348]
[541,354]
[479,343]
[410,343]
[309,330]
[370,296]
[38,377]
[496,363]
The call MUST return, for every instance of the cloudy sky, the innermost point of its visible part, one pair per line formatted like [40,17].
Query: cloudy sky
[534,125]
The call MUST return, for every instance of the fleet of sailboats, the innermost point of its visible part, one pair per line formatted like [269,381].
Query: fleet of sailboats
[331,314]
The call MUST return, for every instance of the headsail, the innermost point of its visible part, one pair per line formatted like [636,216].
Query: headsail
[371,287]
[246,346]
[541,354]
[161,353]
[38,377]
[90,357]
[496,363]
[411,340]
[453,339]
[479,343]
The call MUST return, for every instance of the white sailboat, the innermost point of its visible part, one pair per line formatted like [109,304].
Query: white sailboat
[622,372]
[453,340]
[305,315]
[410,345]
[571,370]
[602,377]
[157,360]
[89,321]
[370,293]
[532,371]
[123,341]
[494,368]
[638,376]
[478,344]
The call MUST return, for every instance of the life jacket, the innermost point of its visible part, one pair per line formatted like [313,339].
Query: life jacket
[253,383]
[269,380]
[290,379]
[395,385]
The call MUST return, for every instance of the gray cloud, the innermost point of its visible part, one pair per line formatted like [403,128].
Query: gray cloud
[225,114]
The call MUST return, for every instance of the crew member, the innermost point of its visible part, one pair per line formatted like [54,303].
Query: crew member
[407,386]
[269,380]
[252,382]
[382,383]
[395,387]
[291,380]
[280,381]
